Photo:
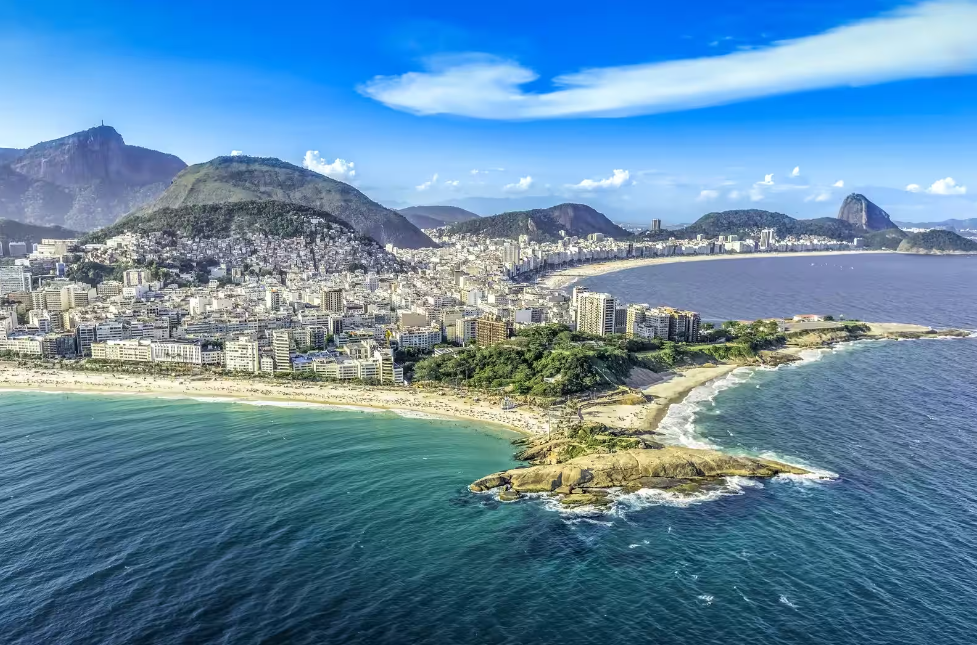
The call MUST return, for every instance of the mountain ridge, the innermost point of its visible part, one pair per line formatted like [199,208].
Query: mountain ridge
[243,178]
[543,224]
[83,180]
[436,216]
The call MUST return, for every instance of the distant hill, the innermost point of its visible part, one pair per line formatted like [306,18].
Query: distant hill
[14,231]
[937,241]
[860,212]
[436,216]
[9,154]
[750,222]
[947,223]
[82,181]
[543,224]
[242,178]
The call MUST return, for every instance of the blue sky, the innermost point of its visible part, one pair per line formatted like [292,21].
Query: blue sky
[650,110]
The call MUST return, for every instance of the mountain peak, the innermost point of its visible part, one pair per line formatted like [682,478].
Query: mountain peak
[84,180]
[859,211]
[242,178]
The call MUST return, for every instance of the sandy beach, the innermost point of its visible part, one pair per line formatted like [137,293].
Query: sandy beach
[671,387]
[565,277]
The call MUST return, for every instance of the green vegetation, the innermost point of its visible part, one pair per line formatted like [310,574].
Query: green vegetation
[543,224]
[888,239]
[547,360]
[274,219]
[748,223]
[733,342]
[95,272]
[243,179]
[937,241]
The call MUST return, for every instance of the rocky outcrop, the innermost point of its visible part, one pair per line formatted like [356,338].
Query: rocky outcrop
[83,181]
[858,211]
[632,469]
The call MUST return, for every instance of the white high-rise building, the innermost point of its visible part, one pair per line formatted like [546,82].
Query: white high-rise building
[282,345]
[596,313]
[14,278]
[241,355]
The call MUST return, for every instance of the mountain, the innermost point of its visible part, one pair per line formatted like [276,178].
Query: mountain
[543,224]
[249,234]
[242,178]
[436,216]
[970,223]
[937,241]
[746,223]
[14,231]
[210,221]
[859,211]
[83,181]
[9,154]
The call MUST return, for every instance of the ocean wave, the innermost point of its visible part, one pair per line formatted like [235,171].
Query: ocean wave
[415,414]
[678,425]
[624,503]
[815,475]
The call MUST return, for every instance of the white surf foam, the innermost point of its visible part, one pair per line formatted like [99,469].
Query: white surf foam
[678,425]
[624,503]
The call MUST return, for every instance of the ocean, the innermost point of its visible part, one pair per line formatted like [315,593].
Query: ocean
[141,520]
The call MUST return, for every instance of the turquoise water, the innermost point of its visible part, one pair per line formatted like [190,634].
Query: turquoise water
[140,520]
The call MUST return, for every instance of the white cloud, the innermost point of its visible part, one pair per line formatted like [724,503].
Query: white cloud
[707,195]
[616,180]
[236,153]
[427,184]
[931,39]
[823,196]
[767,180]
[756,194]
[520,186]
[914,188]
[734,195]
[796,172]
[452,183]
[338,169]
[476,171]
[839,184]
[946,187]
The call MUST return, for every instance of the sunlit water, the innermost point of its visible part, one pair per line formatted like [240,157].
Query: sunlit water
[129,520]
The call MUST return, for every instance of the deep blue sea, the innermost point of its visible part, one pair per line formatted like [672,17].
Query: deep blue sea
[140,520]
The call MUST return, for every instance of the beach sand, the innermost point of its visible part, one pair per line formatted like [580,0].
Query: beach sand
[672,387]
[433,402]
[563,278]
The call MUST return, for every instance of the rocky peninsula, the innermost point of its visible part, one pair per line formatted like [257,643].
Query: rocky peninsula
[613,444]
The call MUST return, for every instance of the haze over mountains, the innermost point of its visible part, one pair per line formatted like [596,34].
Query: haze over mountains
[82,181]
[436,216]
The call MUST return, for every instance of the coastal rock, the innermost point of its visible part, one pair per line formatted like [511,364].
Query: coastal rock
[666,467]
[489,482]
[590,498]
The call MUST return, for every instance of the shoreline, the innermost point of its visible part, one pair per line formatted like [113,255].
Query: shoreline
[431,404]
[562,278]
[662,391]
